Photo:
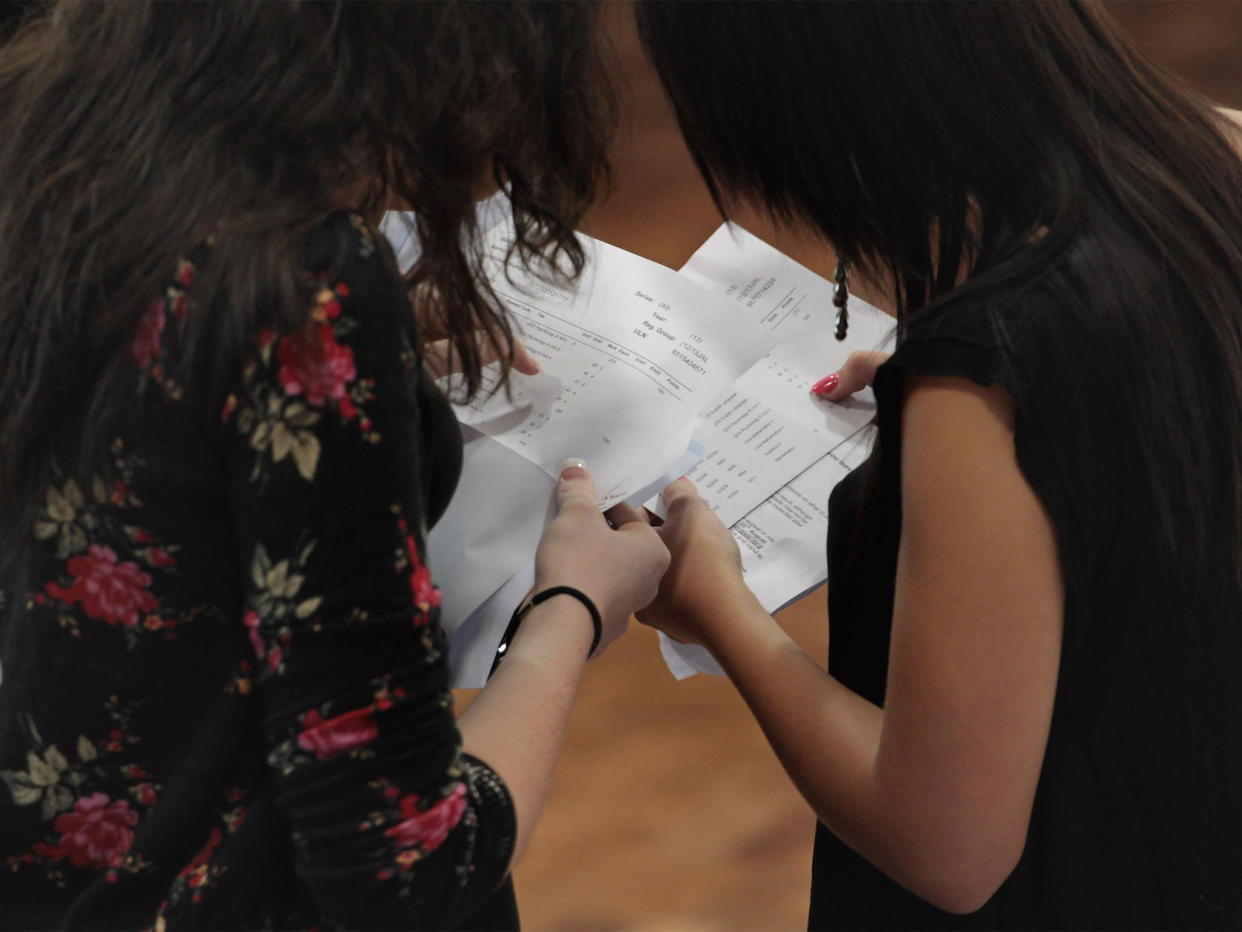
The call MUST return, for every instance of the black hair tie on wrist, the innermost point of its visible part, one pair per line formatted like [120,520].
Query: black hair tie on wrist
[543,596]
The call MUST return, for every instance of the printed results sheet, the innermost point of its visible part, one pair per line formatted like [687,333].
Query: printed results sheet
[629,357]
[779,450]
[648,374]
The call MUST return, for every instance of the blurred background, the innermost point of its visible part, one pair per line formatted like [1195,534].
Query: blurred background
[668,810]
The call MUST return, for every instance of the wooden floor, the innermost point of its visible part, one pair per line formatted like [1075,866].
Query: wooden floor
[668,810]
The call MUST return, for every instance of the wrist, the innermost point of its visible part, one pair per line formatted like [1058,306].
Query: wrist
[571,605]
[569,592]
[557,632]
[734,610]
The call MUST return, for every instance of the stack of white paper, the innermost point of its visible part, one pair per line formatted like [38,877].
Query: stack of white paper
[648,374]
[629,356]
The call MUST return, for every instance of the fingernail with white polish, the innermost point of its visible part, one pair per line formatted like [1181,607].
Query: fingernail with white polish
[570,463]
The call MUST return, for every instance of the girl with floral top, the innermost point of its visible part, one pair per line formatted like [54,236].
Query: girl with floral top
[223,688]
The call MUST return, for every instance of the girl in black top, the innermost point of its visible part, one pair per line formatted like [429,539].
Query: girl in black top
[1030,715]
[223,687]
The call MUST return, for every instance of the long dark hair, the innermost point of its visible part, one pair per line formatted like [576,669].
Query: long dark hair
[919,139]
[129,131]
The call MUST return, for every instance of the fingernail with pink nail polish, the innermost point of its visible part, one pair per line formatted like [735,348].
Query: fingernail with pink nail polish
[826,384]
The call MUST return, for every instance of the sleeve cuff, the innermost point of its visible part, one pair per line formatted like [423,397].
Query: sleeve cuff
[497,818]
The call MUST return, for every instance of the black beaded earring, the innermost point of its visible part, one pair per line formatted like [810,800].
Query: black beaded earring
[841,296]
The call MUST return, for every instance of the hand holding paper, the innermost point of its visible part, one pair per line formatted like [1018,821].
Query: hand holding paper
[782,535]
[703,583]
[619,570]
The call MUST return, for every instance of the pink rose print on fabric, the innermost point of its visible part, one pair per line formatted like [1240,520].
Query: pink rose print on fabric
[426,595]
[213,842]
[96,833]
[158,556]
[348,409]
[427,830]
[313,364]
[329,737]
[108,590]
[145,348]
[256,639]
[328,303]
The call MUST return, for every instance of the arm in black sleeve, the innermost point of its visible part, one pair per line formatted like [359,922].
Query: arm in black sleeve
[392,824]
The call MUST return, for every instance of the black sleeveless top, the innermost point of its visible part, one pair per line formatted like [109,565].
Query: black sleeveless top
[1136,820]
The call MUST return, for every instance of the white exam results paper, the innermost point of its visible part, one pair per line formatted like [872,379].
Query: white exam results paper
[773,435]
[779,451]
[628,357]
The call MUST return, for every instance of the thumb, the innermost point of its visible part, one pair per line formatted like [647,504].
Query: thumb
[682,488]
[575,484]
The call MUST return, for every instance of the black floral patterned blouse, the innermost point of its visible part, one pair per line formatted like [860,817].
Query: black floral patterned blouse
[223,692]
